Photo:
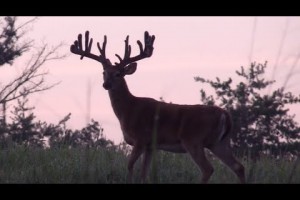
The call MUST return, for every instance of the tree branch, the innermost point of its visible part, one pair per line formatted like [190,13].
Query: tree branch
[31,80]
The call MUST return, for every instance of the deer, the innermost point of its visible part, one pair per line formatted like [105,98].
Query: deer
[171,127]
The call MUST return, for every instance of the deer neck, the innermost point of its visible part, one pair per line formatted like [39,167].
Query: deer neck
[121,98]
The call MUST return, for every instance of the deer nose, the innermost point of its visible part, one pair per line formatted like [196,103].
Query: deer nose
[107,85]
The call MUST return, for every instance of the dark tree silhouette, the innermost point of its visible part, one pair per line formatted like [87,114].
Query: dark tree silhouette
[32,78]
[262,123]
[27,131]
[10,36]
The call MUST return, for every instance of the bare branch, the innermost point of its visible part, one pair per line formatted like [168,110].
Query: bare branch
[32,90]
[26,23]
[32,79]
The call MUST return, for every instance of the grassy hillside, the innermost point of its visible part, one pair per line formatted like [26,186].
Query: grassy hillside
[25,165]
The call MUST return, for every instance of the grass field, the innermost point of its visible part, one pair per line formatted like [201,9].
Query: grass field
[26,165]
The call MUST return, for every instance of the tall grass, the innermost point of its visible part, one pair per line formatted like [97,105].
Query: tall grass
[63,165]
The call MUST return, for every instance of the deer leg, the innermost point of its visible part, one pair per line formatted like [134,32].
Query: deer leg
[146,164]
[135,154]
[224,153]
[198,155]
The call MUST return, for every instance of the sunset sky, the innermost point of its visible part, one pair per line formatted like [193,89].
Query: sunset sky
[185,47]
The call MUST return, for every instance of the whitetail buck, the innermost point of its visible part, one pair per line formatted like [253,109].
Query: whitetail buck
[175,128]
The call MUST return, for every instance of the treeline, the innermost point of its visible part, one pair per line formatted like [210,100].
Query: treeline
[25,130]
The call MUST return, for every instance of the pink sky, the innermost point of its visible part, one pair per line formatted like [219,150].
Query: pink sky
[184,47]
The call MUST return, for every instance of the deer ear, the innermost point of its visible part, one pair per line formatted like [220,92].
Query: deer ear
[130,69]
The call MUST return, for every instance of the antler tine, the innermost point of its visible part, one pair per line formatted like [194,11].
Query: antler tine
[149,41]
[144,53]
[127,51]
[127,48]
[76,48]
[102,50]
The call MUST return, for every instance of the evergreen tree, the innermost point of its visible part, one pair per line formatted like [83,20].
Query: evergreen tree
[10,45]
[262,123]
[22,130]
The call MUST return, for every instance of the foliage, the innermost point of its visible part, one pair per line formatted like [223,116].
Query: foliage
[10,46]
[262,123]
[25,131]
